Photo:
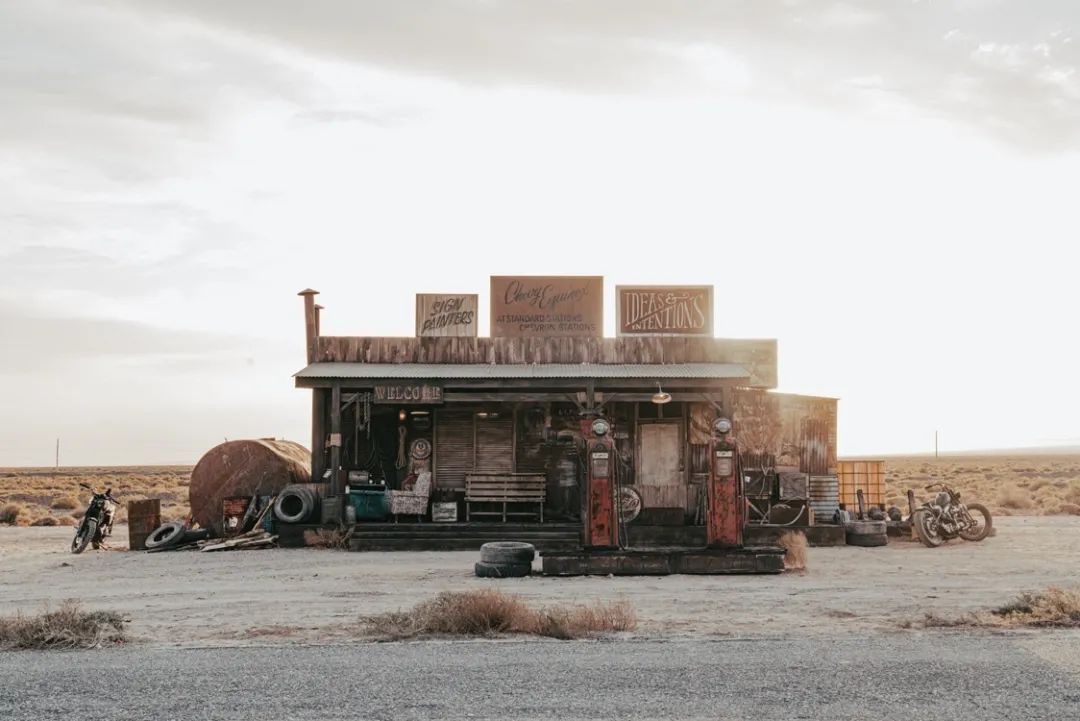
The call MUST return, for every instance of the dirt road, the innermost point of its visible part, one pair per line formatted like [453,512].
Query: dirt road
[303,596]
[908,677]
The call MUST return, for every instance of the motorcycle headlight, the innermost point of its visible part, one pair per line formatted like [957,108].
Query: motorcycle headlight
[943,499]
[600,427]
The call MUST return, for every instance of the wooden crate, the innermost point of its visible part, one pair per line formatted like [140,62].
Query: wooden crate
[866,475]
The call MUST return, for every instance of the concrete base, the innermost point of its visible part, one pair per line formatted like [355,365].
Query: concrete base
[664,561]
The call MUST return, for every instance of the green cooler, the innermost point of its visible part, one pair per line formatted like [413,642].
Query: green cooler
[369,500]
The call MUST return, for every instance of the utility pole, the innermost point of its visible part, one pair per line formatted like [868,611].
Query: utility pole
[935,445]
[58,454]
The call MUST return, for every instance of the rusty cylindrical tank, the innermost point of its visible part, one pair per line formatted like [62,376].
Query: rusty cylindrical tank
[244,468]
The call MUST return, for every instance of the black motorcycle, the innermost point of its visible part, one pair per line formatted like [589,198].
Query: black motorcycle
[97,522]
[946,517]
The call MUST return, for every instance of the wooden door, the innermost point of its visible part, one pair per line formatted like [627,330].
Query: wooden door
[660,473]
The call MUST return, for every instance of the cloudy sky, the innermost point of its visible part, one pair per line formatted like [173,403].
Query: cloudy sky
[889,188]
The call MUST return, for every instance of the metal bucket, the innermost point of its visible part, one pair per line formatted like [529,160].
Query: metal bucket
[824,497]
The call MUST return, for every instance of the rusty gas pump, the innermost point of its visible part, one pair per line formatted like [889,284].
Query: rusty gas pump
[725,498]
[601,519]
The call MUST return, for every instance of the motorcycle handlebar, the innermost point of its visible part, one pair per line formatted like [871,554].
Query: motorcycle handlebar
[89,488]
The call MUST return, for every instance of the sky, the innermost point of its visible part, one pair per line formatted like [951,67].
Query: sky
[887,188]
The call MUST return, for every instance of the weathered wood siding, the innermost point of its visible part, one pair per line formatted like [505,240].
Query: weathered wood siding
[757,356]
[785,431]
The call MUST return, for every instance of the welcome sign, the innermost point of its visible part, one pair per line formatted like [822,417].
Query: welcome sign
[534,305]
[665,310]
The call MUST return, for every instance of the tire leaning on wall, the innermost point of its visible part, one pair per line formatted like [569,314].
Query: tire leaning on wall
[295,504]
[866,533]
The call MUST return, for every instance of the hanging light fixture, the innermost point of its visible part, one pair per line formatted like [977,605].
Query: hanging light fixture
[661,397]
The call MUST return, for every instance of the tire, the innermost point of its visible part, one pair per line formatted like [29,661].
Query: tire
[865,528]
[920,522]
[502,570]
[868,540]
[986,523]
[507,553]
[164,536]
[294,504]
[866,533]
[199,534]
[84,535]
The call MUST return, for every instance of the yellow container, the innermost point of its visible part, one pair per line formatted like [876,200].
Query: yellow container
[866,475]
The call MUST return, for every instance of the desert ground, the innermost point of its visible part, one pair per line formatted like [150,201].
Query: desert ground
[286,596]
[1029,485]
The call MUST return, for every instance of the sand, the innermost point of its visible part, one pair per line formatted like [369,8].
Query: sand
[312,596]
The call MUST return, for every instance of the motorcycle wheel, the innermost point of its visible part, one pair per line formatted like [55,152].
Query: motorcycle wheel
[922,521]
[983,523]
[85,533]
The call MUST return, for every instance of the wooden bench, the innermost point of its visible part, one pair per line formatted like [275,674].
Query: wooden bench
[505,488]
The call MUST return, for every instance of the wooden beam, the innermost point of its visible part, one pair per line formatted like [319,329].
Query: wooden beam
[318,433]
[335,439]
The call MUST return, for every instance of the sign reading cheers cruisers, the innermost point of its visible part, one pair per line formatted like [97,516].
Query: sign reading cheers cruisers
[443,314]
[565,305]
[664,310]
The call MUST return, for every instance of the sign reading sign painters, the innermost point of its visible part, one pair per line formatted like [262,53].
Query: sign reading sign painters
[533,305]
[664,310]
[400,393]
[441,314]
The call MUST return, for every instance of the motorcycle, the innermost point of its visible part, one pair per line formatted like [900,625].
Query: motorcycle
[946,518]
[97,522]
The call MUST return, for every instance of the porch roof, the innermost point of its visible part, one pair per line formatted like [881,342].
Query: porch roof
[522,371]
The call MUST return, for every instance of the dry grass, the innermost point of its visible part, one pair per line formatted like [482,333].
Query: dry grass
[1050,608]
[67,627]
[65,503]
[45,521]
[11,512]
[1035,484]
[794,545]
[489,612]
[46,492]
[327,538]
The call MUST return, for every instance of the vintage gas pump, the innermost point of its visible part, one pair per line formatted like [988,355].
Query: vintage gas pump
[601,519]
[724,524]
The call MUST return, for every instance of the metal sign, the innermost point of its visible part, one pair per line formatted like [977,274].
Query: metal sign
[664,310]
[547,306]
[442,315]
[404,393]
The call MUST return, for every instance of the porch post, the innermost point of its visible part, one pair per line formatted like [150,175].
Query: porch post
[335,438]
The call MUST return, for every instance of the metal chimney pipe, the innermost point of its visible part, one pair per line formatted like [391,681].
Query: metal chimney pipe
[311,323]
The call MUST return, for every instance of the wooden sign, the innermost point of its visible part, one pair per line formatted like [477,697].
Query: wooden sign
[664,310]
[440,315]
[405,393]
[567,306]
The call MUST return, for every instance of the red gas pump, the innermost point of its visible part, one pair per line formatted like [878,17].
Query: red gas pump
[724,489]
[601,521]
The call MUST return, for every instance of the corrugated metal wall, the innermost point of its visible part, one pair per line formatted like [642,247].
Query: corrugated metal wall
[495,443]
[454,447]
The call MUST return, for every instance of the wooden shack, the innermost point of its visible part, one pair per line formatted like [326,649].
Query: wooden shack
[512,406]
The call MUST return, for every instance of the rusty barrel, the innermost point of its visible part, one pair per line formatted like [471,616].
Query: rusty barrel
[143,518]
[260,467]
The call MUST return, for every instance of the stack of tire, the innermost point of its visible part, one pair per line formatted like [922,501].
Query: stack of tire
[173,535]
[866,533]
[505,559]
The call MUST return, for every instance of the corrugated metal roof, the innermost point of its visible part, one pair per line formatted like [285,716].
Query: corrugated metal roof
[523,370]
